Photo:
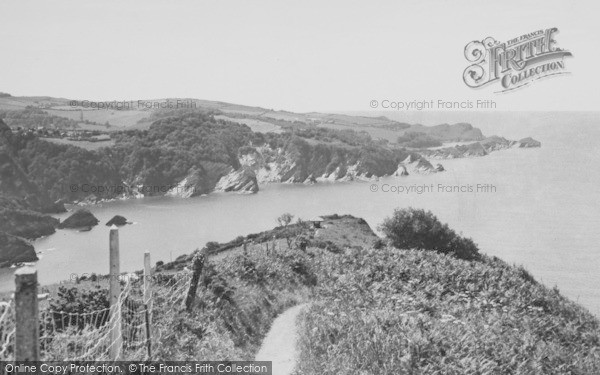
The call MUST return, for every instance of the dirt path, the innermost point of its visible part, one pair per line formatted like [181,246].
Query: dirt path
[280,344]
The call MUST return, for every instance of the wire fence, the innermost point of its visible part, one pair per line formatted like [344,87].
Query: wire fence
[89,335]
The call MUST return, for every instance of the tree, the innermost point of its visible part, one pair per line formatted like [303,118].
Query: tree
[285,219]
[411,228]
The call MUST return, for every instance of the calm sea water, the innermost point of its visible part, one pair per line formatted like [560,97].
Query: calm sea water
[544,213]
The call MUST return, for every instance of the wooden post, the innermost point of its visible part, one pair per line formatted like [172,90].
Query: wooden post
[148,300]
[114,292]
[147,280]
[198,264]
[245,248]
[148,340]
[27,332]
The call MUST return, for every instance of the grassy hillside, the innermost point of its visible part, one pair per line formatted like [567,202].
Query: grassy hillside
[140,114]
[375,309]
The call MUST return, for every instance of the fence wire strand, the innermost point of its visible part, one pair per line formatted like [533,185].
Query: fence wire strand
[86,335]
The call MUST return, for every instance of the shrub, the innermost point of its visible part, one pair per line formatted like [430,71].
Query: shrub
[72,302]
[418,140]
[378,244]
[411,228]
[285,219]
[327,245]
[212,246]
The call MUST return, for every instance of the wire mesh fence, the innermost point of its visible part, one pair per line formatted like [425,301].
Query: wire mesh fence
[85,333]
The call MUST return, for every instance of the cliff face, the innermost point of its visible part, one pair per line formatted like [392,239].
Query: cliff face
[301,162]
[243,181]
[328,165]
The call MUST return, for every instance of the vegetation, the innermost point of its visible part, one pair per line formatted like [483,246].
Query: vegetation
[73,302]
[32,118]
[375,309]
[239,300]
[418,140]
[189,143]
[410,228]
[405,312]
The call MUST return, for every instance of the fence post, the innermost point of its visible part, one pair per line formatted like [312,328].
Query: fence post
[148,300]
[114,291]
[198,263]
[26,308]
[147,280]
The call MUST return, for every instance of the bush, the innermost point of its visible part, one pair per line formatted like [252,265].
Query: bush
[378,244]
[212,246]
[72,302]
[327,245]
[411,228]
[418,140]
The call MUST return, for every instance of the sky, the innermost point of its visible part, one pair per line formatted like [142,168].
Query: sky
[293,55]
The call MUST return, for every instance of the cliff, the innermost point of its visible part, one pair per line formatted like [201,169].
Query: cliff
[480,148]
[15,249]
[461,132]
[194,153]
[21,201]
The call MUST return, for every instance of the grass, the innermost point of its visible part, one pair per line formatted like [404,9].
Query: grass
[240,297]
[374,311]
[392,311]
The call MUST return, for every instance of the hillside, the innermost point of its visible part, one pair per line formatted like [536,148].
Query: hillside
[374,309]
[116,115]
[194,153]
[47,157]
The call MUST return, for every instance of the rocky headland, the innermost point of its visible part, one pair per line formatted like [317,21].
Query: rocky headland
[187,154]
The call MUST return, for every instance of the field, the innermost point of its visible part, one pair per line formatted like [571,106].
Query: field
[138,116]
[118,119]
[83,144]
[256,125]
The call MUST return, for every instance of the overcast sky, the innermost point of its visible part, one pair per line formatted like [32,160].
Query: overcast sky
[300,56]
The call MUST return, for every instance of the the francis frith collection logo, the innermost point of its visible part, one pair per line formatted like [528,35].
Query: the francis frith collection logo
[515,63]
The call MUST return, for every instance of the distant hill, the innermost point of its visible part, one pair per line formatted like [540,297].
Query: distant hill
[140,114]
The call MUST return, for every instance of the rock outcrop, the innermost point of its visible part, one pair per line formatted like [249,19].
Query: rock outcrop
[243,180]
[417,165]
[117,220]
[481,148]
[529,143]
[25,223]
[15,250]
[81,218]
[460,132]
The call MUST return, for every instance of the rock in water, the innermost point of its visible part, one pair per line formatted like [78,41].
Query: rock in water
[80,218]
[14,250]
[529,143]
[117,220]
